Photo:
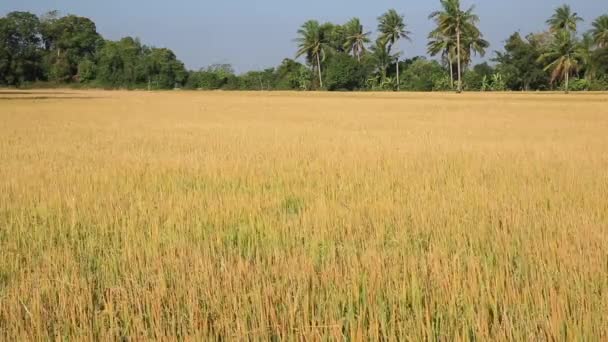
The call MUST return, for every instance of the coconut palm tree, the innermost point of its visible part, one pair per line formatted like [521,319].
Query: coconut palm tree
[600,31]
[382,59]
[313,45]
[472,43]
[356,38]
[460,26]
[444,45]
[562,56]
[392,28]
[564,19]
[585,52]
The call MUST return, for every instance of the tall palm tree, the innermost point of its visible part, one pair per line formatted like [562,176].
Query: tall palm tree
[563,56]
[313,45]
[381,58]
[564,19]
[472,43]
[392,28]
[455,23]
[444,45]
[356,38]
[600,31]
[585,53]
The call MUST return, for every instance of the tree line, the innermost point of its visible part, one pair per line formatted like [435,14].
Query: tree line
[54,50]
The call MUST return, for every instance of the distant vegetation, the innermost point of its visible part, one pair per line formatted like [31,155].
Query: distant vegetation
[53,51]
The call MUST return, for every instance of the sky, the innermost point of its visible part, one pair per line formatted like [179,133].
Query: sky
[258,34]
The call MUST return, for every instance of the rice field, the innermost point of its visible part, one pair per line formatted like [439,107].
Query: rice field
[303,216]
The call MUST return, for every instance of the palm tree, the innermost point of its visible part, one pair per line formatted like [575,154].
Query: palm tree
[381,58]
[600,31]
[444,45]
[564,19]
[392,27]
[472,43]
[563,56]
[313,45]
[585,53]
[455,23]
[356,38]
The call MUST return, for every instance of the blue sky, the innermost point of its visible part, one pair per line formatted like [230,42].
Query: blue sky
[259,33]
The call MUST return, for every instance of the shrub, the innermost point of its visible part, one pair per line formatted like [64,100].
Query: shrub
[343,73]
[424,75]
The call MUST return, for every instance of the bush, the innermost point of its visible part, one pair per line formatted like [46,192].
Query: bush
[86,71]
[290,75]
[478,78]
[471,80]
[204,80]
[231,82]
[498,83]
[442,83]
[579,84]
[599,85]
[344,73]
[424,75]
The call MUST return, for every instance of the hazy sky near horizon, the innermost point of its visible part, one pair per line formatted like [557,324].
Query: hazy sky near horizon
[259,34]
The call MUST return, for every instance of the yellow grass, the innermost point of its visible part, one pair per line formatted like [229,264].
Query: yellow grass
[198,215]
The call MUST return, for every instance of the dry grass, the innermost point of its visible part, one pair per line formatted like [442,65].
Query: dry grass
[303,216]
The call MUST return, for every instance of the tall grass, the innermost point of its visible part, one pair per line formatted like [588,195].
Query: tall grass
[304,216]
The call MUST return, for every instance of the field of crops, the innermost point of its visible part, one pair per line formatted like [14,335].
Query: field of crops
[313,216]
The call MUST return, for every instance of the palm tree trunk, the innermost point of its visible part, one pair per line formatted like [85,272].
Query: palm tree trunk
[451,71]
[567,79]
[458,52]
[398,83]
[319,69]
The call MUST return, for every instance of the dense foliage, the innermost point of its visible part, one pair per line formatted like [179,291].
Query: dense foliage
[52,50]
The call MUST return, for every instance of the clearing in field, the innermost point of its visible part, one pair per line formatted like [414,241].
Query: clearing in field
[303,216]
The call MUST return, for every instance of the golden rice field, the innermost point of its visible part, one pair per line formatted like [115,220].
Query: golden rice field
[303,216]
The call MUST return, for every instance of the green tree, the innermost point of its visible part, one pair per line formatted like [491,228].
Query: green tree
[122,64]
[474,79]
[68,40]
[585,50]
[472,43]
[287,75]
[304,78]
[445,45]
[600,63]
[258,80]
[564,19]
[356,38]
[381,59]
[203,79]
[392,28]
[312,43]
[519,64]
[423,75]
[335,37]
[600,31]
[87,71]
[163,69]
[344,73]
[562,57]
[451,21]
[215,76]
[20,48]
